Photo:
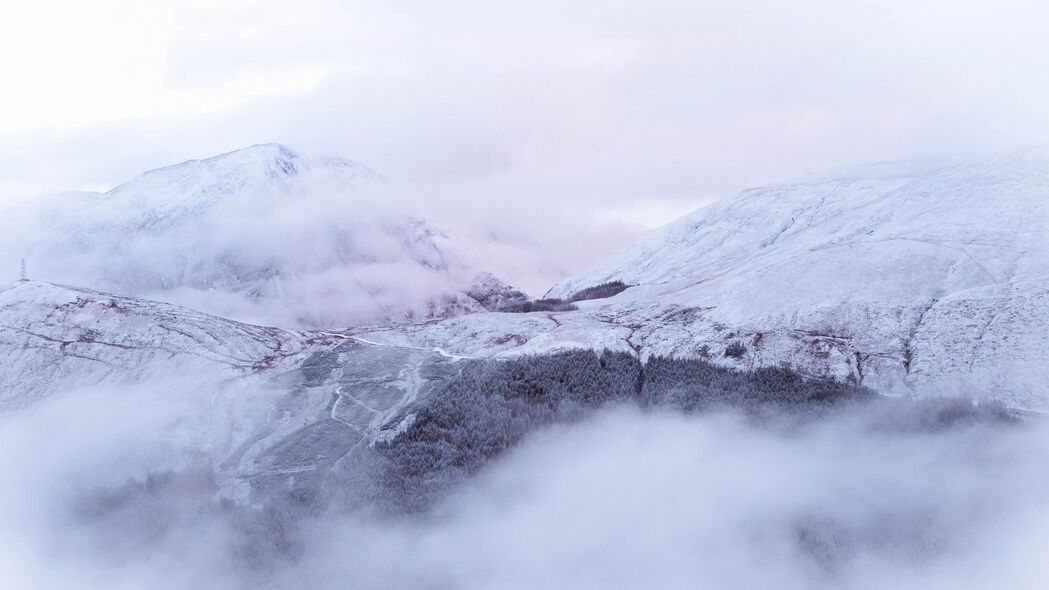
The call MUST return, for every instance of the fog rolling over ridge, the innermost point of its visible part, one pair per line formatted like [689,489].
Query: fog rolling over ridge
[261,234]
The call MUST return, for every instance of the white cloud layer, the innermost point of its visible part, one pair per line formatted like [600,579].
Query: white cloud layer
[625,500]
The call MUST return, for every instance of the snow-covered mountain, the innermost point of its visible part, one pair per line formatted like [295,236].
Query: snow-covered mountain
[260,234]
[924,278]
[923,281]
[918,279]
[256,404]
[56,339]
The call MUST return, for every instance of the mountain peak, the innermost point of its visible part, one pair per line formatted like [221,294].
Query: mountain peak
[262,234]
[278,155]
[259,167]
[224,173]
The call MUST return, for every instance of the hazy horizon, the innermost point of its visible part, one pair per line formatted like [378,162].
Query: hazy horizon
[565,130]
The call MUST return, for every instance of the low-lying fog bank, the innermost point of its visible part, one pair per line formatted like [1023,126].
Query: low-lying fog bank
[876,494]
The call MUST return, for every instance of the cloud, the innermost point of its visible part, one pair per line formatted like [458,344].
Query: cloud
[623,500]
[632,501]
[303,251]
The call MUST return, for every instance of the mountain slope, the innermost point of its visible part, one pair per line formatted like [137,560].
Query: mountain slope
[261,234]
[985,220]
[921,280]
[261,406]
[55,339]
[910,279]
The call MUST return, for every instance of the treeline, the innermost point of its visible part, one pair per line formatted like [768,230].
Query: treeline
[599,291]
[538,305]
[471,418]
[693,385]
[555,304]
[486,409]
[492,405]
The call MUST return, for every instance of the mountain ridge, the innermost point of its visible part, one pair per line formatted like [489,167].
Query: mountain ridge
[925,281]
[260,234]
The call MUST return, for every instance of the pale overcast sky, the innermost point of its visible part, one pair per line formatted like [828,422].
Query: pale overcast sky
[570,125]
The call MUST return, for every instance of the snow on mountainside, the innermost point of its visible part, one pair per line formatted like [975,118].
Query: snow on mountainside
[913,280]
[55,339]
[257,404]
[260,234]
[926,280]
[182,188]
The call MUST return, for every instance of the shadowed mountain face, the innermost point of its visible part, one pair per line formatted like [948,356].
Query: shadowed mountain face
[261,234]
